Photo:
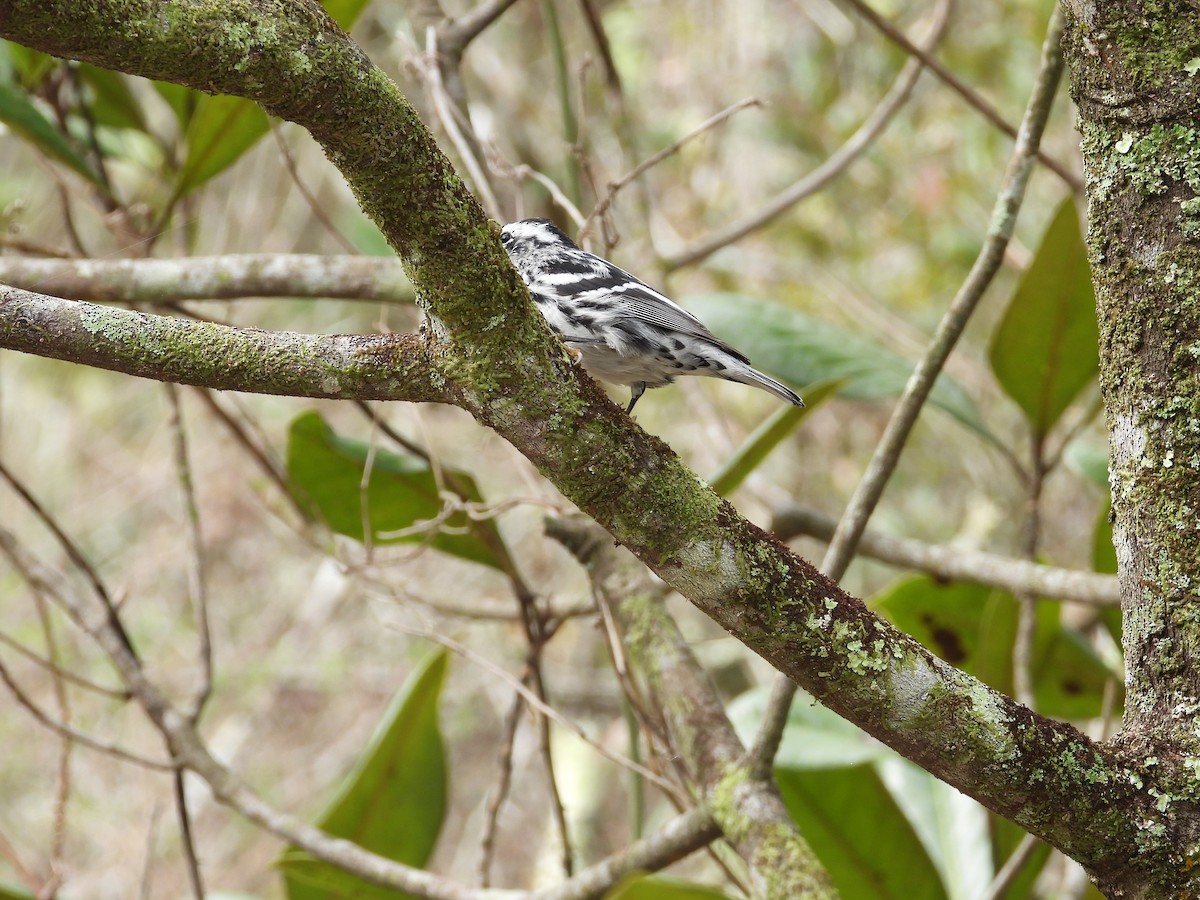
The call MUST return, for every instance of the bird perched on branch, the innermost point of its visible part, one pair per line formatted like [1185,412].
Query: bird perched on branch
[623,330]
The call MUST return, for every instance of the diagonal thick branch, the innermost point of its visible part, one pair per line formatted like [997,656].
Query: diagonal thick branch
[501,363]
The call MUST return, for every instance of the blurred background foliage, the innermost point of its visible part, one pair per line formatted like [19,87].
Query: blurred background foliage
[316,626]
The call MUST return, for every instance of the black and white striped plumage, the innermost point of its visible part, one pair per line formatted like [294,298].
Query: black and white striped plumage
[624,331]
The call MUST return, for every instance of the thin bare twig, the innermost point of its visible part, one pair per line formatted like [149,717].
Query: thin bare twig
[197,586]
[195,879]
[833,166]
[65,674]
[1012,868]
[557,194]
[708,749]
[650,162]
[314,206]
[459,32]
[535,701]
[482,529]
[491,827]
[259,453]
[148,865]
[887,453]
[70,733]
[449,117]
[72,550]
[989,112]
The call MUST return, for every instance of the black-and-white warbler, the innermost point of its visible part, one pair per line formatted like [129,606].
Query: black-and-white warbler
[624,331]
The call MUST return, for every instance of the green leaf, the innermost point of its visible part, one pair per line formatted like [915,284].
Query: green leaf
[767,437]
[344,12]
[1069,677]
[1044,351]
[182,100]
[30,66]
[952,827]
[1089,459]
[113,103]
[220,130]
[973,628]
[801,350]
[639,886]
[18,113]
[969,626]
[394,800]
[325,472]
[852,822]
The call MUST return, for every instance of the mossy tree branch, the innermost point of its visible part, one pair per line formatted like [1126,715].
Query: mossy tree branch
[502,364]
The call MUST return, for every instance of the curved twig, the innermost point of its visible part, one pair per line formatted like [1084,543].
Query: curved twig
[833,166]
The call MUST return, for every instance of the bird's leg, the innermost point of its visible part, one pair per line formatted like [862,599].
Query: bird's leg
[635,392]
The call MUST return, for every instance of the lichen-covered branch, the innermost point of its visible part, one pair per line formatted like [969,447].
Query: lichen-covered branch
[203,354]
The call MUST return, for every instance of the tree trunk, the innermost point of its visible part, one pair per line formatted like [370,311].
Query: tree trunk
[1133,76]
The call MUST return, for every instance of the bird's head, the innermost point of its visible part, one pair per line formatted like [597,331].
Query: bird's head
[533,236]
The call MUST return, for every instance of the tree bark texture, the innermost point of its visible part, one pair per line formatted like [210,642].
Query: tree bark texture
[1134,78]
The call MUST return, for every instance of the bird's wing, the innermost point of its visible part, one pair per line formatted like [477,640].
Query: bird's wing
[590,279]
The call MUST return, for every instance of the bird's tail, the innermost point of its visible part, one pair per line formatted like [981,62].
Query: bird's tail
[755,378]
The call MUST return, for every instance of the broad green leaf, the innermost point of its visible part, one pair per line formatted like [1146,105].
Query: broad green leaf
[344,12]
[113,103]
[394,800]
[182,100]
[767,437]
[19,114]
[220,130]
[325,471]
[974,627]
[814,738]
[969,626]
[1068,675]
[951,826]
[30,66]
[639,886]
[802,350]
[852,822]
[1044,352]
